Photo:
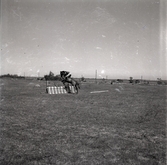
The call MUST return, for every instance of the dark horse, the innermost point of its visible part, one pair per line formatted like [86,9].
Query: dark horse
[71,81]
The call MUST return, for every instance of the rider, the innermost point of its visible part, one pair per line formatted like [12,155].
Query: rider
[65,74]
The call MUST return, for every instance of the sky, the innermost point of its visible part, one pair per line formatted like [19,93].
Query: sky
[113,38]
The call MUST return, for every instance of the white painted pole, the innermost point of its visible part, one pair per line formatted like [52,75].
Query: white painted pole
[99,91]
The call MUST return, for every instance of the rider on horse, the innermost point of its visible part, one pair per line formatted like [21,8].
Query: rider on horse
[66,79]
[65,75]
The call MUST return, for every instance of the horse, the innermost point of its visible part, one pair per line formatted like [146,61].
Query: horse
[71,81]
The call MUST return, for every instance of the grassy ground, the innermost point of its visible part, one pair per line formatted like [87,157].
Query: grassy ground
[124,126]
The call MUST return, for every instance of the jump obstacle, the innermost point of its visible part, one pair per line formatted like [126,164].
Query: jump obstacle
[59,90]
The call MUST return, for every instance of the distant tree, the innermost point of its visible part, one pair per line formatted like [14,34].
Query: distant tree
[131,80]
[57,77]
[83,79]
[12,76]
[52,77]
[159,81]
[51,74]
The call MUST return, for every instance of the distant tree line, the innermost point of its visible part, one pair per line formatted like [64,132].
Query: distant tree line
[51,76]
[11,76]
[83,79]
[117,81]
[137,81]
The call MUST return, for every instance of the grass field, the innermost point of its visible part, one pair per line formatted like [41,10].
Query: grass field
[124,126]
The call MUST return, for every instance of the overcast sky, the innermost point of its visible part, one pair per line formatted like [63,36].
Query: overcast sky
[118,38]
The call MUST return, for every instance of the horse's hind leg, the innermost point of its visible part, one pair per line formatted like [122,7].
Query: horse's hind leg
[68,89]
[76,89]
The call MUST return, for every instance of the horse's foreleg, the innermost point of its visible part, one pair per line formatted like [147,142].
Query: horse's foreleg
[69,91]
[67,88]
